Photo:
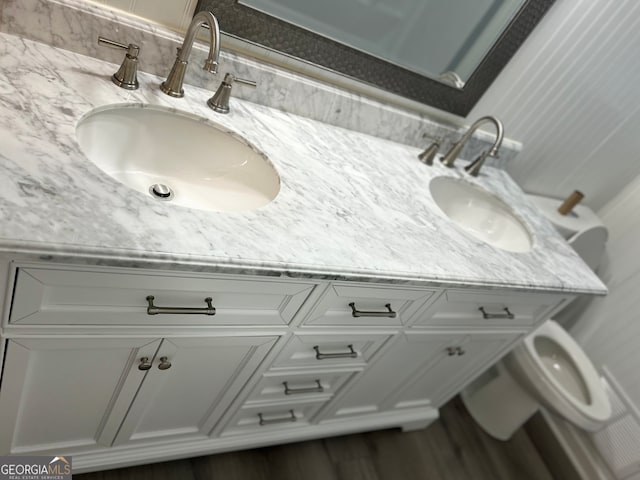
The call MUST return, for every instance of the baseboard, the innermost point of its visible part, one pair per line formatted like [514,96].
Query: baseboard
[131,455]
[585,459]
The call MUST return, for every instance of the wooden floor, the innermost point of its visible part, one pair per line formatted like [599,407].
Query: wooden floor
[453,448]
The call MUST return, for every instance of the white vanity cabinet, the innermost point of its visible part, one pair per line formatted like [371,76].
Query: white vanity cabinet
[94,369]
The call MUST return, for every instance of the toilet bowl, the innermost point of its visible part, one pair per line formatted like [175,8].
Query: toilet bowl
[552,365]
[548,369]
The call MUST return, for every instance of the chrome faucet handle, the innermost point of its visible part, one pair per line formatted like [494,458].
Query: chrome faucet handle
[220,100]
[127,75]
[429,153]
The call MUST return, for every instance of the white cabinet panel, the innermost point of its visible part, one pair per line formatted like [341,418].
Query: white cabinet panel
[68,394]
[346,304]
[489,308]
[456,358]
[418,370]
[56,295]
[187,399]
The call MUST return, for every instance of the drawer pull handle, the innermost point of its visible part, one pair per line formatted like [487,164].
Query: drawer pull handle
[488,316]
[145,364]
[270,421]
[362,313]
[293,391]
[153,310]
[325,356]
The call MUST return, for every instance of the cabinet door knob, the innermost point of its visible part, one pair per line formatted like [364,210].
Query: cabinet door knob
[451,351]
[460,351]
[145,364]
[165,364]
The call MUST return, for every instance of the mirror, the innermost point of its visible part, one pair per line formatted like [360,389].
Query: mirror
[444,53]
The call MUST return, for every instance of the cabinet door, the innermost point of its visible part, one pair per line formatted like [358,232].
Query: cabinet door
[419,370]
[191,383]
[457,358]
[388,374]
[68,394]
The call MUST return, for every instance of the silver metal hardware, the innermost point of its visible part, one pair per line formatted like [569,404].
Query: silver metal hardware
[325,356]
[362,313]
[127,75]
[154,310]
[429,154]
[172,86]
[165,364]
[145,364]
[488,316]
[452,351]
[220,100]
[161,191]
[270,421]
[474,168]
[293,391]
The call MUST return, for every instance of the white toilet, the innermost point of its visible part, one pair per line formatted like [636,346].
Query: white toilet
[548,368]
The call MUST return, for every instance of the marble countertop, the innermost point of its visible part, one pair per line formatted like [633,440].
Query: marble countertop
[351,206]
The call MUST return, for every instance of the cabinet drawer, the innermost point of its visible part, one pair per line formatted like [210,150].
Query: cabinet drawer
[487,308]
[319,351]
[68,296]
[306,384]
[366,304]
[277,416]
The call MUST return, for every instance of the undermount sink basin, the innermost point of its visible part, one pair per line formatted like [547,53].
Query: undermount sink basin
[179,158]
[481,214]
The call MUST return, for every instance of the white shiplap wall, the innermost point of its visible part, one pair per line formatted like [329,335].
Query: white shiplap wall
[609,329]
[571,95]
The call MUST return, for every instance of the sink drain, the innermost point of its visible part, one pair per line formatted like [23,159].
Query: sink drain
[161,192]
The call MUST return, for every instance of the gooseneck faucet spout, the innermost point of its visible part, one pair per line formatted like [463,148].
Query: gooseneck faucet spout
[474,167]
[173,84]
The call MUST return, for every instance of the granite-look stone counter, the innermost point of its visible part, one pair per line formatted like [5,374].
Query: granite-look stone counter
[350,205]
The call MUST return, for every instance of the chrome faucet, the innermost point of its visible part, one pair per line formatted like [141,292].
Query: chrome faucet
[173,84]
[474,167]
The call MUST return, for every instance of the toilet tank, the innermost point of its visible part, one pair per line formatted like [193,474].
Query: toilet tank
[581,227]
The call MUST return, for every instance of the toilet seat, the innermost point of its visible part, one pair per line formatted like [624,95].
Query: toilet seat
[551,392]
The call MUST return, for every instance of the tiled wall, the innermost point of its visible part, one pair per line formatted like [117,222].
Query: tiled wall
[175,14]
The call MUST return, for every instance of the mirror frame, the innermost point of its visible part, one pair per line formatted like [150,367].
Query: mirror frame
[250,25]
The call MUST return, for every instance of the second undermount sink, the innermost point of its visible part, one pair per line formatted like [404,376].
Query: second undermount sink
[178,157]
[481,214]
